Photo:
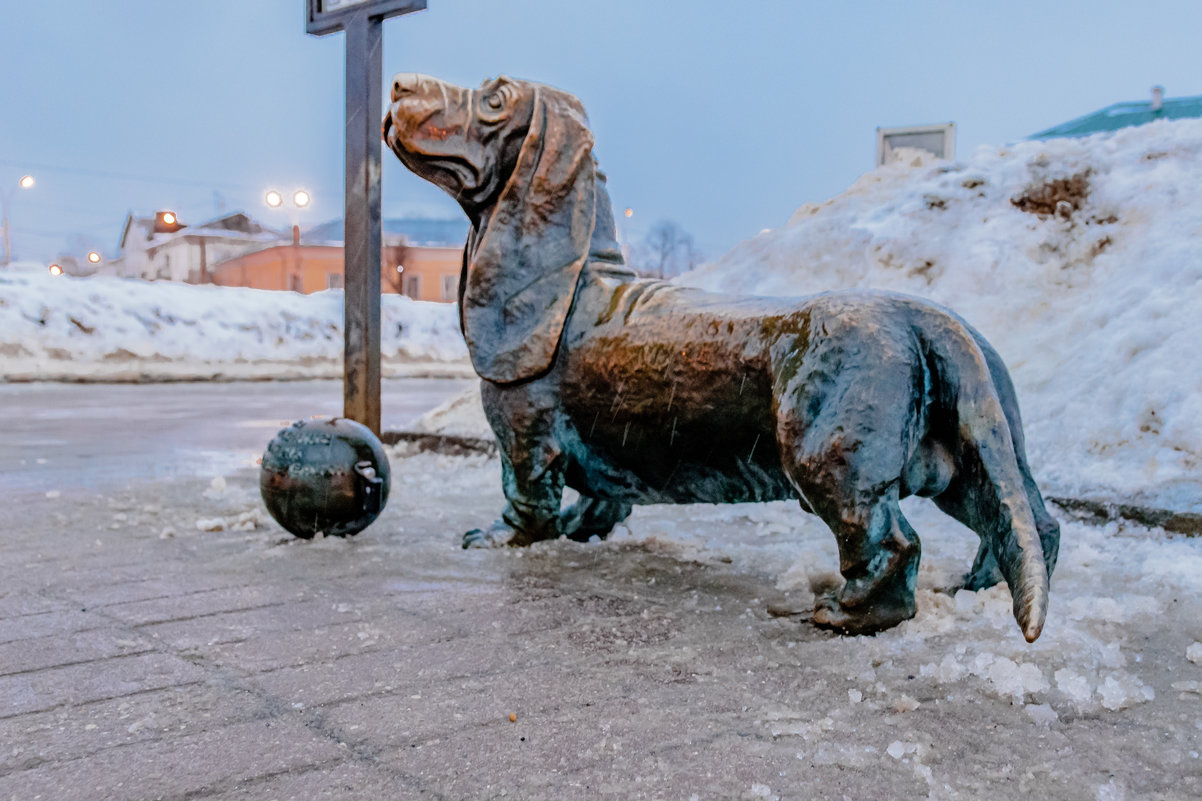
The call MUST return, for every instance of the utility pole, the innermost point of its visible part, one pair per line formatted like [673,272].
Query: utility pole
[362,21]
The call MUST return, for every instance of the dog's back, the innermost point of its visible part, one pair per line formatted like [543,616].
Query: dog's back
[675,394]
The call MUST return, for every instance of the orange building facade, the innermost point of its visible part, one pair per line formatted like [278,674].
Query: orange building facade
[423,272]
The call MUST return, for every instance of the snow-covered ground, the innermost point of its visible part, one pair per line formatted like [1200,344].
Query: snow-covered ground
[103,328]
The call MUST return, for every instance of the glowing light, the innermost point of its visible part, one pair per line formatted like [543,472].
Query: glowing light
[94,257]
[400,268]
[26,181]
[629,213]
[301,198]
[273,198]
[168,218]
[56,270]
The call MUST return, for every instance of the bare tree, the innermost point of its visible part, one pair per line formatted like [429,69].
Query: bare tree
[667,250]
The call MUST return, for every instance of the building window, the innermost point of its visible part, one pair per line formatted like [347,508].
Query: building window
[413,286]
[294,282]
[450,287]
[333,280]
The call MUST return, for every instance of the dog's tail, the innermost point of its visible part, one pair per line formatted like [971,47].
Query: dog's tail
[987,446]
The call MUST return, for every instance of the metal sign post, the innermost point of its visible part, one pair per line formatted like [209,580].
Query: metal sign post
[362,21]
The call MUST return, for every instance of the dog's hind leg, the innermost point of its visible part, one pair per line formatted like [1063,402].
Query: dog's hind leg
[959,502]
[878,557]
[847,441]
[969,499]
[592,517]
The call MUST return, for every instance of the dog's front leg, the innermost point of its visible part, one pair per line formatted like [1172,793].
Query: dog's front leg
[532,468]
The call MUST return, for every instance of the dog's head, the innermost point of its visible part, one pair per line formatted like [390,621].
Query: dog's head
[517,156]
[466,141]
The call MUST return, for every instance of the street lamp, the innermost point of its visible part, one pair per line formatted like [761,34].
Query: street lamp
[56,270]
[274,198]
[93,257]
[26,182]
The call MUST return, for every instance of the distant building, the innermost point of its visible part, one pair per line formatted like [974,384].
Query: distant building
[423,272]
[1125,115]
[421,258]
[179,252]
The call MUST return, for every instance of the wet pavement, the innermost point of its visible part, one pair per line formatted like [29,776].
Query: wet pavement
[64,436]
[163,639]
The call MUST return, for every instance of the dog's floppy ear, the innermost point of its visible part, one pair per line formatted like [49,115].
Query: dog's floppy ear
[522,265]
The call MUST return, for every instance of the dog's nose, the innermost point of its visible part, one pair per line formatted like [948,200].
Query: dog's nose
[405,83]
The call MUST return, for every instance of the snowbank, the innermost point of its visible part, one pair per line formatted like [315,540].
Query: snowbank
[1079,259]
[104,328]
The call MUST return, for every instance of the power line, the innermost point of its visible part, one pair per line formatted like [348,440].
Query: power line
[162,180]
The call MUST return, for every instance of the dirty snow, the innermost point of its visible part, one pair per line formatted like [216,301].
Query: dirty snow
[105,328]
[1079,259]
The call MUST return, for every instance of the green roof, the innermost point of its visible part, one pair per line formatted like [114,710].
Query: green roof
[1124,115]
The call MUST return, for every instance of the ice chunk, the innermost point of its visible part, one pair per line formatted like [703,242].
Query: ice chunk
[896,749]
[947,670]
[1073,685]
[1110,656]
[967,602]
[1194,653]
[1042,714]
[1122,691]
[904,703]
[1007,677]
[1112,791]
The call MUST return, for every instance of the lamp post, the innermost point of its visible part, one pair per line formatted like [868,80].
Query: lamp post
[26,182]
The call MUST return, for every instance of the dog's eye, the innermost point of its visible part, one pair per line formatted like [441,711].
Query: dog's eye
[494,101]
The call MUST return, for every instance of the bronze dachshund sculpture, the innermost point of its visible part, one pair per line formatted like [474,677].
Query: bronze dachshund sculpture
[639,391]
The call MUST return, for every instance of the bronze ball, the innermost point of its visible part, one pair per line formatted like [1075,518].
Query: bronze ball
[325,476]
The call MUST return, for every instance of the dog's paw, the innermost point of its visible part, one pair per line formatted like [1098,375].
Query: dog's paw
[830,614]
[488,538]
[981,579]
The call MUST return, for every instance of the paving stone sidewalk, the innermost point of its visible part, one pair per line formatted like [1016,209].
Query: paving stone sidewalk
[143,658]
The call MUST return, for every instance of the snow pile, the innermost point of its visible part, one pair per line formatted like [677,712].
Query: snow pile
[105,328]
[461,416]
[1079,259]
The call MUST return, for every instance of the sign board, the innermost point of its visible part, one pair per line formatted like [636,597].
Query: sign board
[939,140]
[327,16]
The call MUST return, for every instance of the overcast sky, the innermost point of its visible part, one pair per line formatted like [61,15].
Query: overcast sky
[722,116]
